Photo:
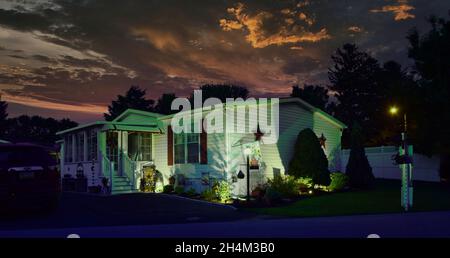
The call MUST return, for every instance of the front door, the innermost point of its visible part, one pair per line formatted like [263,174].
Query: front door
[112,149]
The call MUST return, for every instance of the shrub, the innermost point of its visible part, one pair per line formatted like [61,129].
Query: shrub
[272,195]
[222,190]
[259,191]
[151,176]
[286,186]
[338,181]
[208,195]
[309,160]
[179,189]
[305,182]
[191,192]
[358,169]
[172,180]
[168,189]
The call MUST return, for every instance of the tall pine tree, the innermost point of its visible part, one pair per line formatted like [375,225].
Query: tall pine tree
[354,79]
[358,169]
[133,98]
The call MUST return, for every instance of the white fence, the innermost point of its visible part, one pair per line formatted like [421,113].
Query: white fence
[380,158]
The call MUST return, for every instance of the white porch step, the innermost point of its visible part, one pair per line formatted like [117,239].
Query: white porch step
[122,185]
[129,191]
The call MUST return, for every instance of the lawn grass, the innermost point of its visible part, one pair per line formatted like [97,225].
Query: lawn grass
[384,197]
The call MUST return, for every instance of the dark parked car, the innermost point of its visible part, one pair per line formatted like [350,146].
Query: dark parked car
[29,177]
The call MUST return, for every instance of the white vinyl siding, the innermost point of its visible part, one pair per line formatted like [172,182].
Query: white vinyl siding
[293,119]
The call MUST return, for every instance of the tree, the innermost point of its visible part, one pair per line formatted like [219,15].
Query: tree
[222,92]
[36,129]
[358,169]
[164,104]
[3,110]
[431,55]
[354,79]
[3,116]
[134,98]
[309,160]
[313,94]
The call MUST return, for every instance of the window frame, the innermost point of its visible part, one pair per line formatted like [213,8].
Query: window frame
[92,145]
[143,144]
[185,143]
[68,143]
[79,147]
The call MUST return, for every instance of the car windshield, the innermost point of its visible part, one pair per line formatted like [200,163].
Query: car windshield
[25,156]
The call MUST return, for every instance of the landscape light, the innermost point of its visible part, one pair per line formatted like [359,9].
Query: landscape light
[393,110]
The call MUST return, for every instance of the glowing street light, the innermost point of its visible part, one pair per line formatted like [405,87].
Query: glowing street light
[393,110]
[404,159]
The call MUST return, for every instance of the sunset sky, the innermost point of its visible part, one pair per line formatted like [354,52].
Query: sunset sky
[67,58]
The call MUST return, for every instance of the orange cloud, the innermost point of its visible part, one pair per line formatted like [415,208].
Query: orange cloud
[303,17]
[296,48]
[160,39]
[259,38]
[401,10]
[355,29]
[49,104]
[228,25]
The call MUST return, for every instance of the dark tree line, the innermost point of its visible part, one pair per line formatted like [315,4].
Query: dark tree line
[135,98]
[31,129]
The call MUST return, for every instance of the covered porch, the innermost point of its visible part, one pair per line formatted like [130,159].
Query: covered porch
[125,152]
[110,156]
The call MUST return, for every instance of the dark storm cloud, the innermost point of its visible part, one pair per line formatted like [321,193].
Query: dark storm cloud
[44,59]
[89,51]
[301,65]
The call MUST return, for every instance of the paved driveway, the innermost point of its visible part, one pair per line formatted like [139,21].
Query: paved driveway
[78,210]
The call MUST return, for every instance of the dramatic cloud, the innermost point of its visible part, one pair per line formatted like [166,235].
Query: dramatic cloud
[401,10]
[61,57]
[53,104]
[258,37]
[355,29]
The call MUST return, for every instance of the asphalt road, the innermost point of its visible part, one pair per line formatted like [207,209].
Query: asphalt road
[158,215]
[429,224]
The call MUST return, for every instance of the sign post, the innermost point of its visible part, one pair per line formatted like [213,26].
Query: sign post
[406,168]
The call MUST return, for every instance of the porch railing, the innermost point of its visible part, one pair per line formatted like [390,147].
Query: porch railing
[108,171]
[129,168]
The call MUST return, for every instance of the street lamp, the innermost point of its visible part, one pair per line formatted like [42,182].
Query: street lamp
[394,111]
[247,152]
[404,159]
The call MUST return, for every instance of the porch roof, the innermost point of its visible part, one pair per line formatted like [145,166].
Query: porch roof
[152,127]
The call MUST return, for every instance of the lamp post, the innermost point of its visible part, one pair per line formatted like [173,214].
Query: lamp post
[405,161]
[247,152]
